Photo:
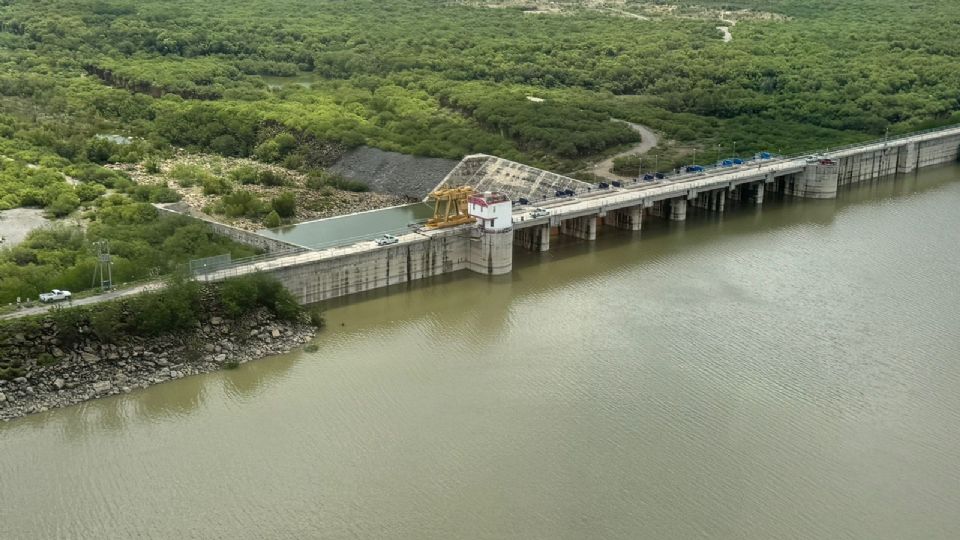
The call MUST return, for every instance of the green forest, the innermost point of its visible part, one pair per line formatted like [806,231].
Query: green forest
[298,82]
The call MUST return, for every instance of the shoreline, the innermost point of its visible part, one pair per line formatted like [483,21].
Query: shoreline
[93,370]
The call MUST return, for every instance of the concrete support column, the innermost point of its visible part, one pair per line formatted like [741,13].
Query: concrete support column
[678,209]
[758,194]
[584,227]
[629,219]
[492,253]
[535,238]
[817,181]
[721,199]
[657,209]
[907,157]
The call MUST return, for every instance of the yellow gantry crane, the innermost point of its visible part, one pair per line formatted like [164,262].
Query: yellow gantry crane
[450,207]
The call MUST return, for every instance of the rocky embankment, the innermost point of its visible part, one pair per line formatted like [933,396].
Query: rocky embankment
[55,377]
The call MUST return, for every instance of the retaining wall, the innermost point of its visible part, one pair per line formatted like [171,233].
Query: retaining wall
[270,245]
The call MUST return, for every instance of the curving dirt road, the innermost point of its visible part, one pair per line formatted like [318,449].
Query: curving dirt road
[727,36]
[648,139]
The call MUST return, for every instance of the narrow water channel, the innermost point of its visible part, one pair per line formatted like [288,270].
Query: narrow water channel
[788,372]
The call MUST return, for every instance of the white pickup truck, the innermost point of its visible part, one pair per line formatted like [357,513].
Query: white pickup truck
[55,295]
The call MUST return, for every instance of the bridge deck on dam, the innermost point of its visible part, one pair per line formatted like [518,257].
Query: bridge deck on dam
[320,274]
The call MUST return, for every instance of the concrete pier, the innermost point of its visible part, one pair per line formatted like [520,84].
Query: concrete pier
[630,219]
[584,228]
[678,209]
[492,253]
[533,238]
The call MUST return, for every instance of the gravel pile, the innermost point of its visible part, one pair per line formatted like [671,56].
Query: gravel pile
[394,173]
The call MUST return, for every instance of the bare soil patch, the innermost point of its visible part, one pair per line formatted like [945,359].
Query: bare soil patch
[16,223]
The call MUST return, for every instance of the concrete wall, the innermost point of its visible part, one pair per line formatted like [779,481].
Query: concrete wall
[818,181]
[270,245]
[491,252]
[903,158]
[371,269]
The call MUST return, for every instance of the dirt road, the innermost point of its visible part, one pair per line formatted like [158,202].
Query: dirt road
[112,295]
[648,139]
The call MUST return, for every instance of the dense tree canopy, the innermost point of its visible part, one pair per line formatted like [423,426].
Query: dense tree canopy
[449,78]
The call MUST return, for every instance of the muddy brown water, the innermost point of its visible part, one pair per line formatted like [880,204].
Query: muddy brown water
[789,372]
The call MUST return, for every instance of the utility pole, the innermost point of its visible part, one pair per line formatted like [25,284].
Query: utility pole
[734,148]
[640,165]
[103,263]
[656,163]
[718,153]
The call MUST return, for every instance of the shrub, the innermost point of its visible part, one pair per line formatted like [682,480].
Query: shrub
[151,166]
[244,175]
[189,175]
[241,203]
[90,192]
[104,321]
[153,194]
[266,177]
[216,185]
[285,205]
[68,322]
[89,172]
[316,318]
[272,220]
[242,294]
[64,204]
[324,179]
[175,307]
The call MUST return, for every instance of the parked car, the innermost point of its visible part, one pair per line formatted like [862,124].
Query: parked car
[538,213]
[386,240]
[55,295]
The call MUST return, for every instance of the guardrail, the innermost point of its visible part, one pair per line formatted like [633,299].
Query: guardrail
[712,170]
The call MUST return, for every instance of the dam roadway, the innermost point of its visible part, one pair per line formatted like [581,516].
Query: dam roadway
[355,266]
[323,274]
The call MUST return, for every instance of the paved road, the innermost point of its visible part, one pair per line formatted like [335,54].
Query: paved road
[112,295]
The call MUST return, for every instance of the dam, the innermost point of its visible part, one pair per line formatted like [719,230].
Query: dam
[542,205]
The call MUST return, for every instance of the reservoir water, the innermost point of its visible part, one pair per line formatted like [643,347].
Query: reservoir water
[352,228]
[790,372]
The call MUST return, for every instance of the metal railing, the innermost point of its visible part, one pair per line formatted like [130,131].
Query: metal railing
[714,170]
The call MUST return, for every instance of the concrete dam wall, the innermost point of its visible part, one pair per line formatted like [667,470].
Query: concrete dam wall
[315,276]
